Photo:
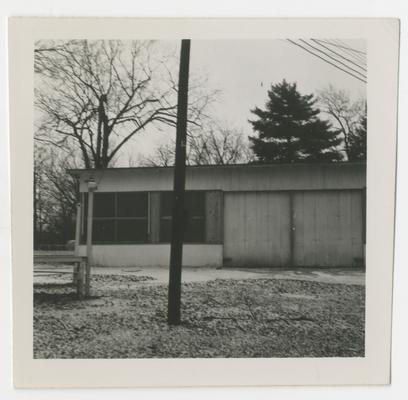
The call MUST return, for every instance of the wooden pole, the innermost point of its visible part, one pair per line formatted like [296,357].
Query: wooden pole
[176,250]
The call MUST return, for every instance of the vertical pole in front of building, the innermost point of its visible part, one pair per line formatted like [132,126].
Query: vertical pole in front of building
[89,254]
[176,250]
[77,272]
[77,228]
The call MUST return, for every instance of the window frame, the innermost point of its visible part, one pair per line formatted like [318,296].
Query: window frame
[115,218]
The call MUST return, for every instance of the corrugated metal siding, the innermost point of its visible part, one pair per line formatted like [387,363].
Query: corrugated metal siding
[233,178]
[256,230]
[328,228]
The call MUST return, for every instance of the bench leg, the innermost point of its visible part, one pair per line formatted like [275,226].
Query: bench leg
[87,279]
[81,280]
[75,275]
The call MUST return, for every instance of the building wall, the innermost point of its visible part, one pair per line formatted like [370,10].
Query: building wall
[153,255]
[328,229]
[297,215]
[257,229]
[265,229]
[300,229]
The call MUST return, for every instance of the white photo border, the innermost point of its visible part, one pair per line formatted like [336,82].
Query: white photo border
[382,36]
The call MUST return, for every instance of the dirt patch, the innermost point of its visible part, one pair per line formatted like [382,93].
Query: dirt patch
[220,318]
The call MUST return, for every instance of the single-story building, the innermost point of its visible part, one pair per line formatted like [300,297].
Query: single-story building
[257,215]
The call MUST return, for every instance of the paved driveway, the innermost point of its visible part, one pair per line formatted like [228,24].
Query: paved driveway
[202,274]
[190,274]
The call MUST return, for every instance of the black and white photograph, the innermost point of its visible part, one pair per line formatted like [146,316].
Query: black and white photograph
[202,201]
[199,198]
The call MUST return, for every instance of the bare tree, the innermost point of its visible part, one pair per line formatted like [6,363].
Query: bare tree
[96,95]
[345,114]
[38,200]
[358,142]
[55,196]
[217,146]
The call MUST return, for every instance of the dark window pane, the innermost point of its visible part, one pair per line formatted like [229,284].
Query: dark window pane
[165,230]
[166,204]
[132,230]
[103,231]
[132,204]
[104,205]
[194,228]
[195,231]
[195,204]
[83,233]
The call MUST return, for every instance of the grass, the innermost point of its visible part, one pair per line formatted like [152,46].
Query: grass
[126,318]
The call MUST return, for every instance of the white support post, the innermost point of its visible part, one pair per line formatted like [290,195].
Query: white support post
[91,188]
[77,229]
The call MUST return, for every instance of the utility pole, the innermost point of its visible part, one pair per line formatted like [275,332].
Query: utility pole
[176,250]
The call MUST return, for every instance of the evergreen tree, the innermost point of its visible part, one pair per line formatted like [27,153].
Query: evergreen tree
[358,142]
[289,129]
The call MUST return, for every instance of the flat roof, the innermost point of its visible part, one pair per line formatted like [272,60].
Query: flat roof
[76,171]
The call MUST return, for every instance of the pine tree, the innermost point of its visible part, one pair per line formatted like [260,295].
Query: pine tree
[358,142]
[320,142]
[290,130]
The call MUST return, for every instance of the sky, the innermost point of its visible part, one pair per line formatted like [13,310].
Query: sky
[243,71]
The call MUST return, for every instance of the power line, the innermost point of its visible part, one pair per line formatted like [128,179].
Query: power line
[325,60]
[361,56]
[357,56]
[354,54]
[344,46]
[333,58]
[339,55]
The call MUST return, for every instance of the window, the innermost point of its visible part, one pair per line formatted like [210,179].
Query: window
[124,218]
[194,222]
[104,205]
[118,218]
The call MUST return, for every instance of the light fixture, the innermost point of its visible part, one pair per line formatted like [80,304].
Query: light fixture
[92,185]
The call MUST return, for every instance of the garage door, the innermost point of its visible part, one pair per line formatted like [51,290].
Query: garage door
[256,229]
[328,228]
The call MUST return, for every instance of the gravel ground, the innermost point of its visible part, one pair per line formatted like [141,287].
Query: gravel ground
[126,318]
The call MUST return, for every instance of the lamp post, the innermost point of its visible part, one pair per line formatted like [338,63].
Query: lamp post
[92,186]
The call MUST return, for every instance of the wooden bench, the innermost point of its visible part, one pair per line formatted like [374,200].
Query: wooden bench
[81,274]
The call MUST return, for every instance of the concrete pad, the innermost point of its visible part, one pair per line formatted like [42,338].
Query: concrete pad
[202,274]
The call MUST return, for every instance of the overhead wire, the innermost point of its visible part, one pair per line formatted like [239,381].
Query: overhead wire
[343,45]
[334,64]
[333,58]
[356,55]
[339,55]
